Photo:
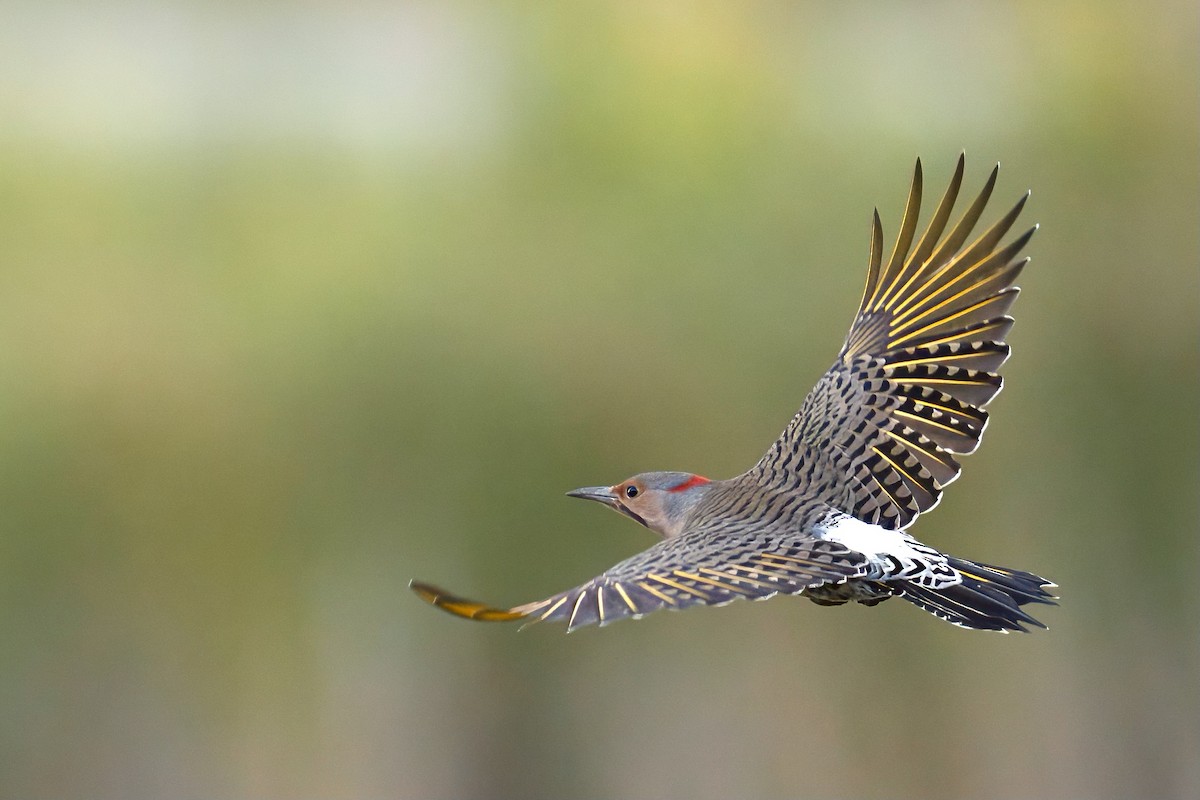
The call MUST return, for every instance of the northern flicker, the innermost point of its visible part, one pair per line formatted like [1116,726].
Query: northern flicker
[825,513]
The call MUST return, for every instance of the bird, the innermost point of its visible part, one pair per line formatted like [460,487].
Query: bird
[825,513]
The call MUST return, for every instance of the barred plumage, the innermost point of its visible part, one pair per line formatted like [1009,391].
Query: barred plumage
[824,512]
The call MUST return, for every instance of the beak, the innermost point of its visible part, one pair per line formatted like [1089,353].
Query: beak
[601,494]
[604,494]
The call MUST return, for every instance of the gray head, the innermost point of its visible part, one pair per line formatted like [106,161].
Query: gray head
[659,500]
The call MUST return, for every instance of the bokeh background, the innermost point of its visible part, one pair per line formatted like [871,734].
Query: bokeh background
[301,301]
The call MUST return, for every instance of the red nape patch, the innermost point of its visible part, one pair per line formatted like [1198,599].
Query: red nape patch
[695,480]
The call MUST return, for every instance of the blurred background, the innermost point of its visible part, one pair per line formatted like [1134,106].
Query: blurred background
[301,301]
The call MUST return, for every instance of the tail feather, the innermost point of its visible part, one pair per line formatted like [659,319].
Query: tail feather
[988,598]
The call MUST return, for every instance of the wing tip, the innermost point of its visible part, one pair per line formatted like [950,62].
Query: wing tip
[461,606]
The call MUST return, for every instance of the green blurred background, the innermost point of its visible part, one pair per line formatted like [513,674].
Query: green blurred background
[298,302]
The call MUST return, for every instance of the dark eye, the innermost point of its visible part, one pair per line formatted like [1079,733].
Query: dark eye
[631,491]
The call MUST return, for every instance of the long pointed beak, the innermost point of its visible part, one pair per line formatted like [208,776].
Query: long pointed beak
[601,494]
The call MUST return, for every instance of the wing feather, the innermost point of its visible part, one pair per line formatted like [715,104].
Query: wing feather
[703,567]
[878,435]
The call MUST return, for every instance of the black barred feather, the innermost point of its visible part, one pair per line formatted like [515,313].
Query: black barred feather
[879,434]
[682,572]
[676,574]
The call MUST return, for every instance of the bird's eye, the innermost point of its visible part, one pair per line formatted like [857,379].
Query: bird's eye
[631,491]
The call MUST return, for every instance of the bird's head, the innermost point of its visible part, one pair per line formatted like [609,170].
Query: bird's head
[659,500]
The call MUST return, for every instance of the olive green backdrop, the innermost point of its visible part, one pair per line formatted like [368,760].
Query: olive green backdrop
[298,302]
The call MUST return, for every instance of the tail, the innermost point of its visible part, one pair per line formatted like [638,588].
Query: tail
[989,598]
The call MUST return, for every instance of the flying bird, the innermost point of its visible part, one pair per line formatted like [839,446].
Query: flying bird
[826,512]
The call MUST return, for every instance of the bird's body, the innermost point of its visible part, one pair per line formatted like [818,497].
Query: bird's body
[824,513]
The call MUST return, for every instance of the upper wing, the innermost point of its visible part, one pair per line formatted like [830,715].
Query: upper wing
[878,435]
[701,567]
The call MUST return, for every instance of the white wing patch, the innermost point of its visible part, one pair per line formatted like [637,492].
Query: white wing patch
[895,554]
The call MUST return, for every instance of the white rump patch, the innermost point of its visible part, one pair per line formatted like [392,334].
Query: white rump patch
[864,537]
[895,553]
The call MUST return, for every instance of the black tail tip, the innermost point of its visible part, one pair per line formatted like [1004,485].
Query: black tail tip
[988,598]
